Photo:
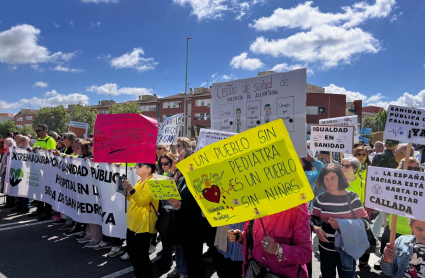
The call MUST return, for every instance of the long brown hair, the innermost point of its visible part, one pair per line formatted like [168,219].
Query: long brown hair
[169,156]
[361,148]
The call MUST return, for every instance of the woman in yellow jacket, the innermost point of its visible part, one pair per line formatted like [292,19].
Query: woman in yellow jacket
[141,219]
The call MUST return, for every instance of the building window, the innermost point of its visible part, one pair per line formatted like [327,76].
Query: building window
[19,126]
[145,108]
[172,104]
[203,102]
[28,124]
[28,117]
[103,112]
[165,116]
[202,116]
[19,119]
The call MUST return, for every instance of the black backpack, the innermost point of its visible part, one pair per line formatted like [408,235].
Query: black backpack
[383,159]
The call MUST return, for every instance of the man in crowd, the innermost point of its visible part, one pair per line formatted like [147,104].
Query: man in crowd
[400,152]
[386,159]
[17,139]
[420,155]
[379,148]
[44,142]
[23,203]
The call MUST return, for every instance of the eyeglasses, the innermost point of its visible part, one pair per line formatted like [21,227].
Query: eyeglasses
[361,154]
[413,168]
[159,148]
[38,130]
[346,166]
[164,163]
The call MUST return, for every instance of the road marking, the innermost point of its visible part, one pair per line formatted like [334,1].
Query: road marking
[26,225]
[119,273]
[19,222]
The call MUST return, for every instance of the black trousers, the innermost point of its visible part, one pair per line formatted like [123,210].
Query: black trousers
[193,256]
[44,208]
[226,268]
[138,250]
[386,238]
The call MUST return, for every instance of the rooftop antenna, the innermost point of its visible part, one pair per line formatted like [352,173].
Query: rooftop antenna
[153,88]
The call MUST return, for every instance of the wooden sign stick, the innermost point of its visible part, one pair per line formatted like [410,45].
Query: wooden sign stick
[394,216]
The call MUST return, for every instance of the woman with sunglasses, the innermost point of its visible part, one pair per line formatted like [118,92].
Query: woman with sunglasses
[361,154]
[141,220]
[166,165]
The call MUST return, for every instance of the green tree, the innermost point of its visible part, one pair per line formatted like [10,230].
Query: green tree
[55,118]
[124,108]
[7,127]
[381,117]
[84,114]
[27,130]
[370,121]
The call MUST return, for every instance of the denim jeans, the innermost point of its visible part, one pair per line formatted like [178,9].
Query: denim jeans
[180,262]
[330,262]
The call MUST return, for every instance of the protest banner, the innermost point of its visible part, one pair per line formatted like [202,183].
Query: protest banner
[125,138]
[332,138]
[82,190]
[249,175]
[405,124]
[344,121]
[366,131]
[169,130]
[79,129]
[396,191]
[242,104]
[164,189]
[364,139]
[209,136]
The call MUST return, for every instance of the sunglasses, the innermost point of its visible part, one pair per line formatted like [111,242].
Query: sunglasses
[346,166]
[159,148]
[139,165]
[164,163]
[361,154]
[38,130]
[413,168]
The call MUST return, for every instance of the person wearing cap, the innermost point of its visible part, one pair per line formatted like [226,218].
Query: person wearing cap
[141,219]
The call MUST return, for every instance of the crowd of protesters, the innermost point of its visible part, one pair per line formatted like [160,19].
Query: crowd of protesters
[278,245]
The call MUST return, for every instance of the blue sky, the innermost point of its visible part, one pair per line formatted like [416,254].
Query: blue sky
[64,52]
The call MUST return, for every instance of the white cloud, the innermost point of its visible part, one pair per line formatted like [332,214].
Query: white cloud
[18,45]
[216,9]
[352,96]
[37,68]
[57,25]
[72,23]
[286,67]
[12,67]
[305,16]
[218,78]
[408,100]
[329,39]
[99,1]
[103,56]
[112,89]
[326,44]
[95,24]
[66,69]
[41,84]
[243,62]
[134,60]
[49,99]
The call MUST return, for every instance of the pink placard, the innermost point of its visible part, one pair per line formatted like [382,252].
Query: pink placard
[125,138]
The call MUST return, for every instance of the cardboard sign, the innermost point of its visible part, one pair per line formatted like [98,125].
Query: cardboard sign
[164,189]
[243,104]
[344,121]
[332,138]
[209,136]
[405,124]
[395,191]
[366,131]
[125,138]
[249,175]
[169,130]
[79,129]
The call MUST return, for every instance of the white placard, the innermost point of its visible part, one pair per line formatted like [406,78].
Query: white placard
[396,191]
[243,104]
[79,129]
[209,136]
[405,124]
[343,121]
[83,190]
[169,130]
[332,138]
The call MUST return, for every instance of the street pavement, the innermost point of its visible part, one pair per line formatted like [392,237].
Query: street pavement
[29,248]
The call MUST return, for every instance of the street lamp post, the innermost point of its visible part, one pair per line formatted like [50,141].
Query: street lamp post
[185,90]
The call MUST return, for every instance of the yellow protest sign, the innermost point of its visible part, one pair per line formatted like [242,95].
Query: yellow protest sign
[249,175]
[164,189]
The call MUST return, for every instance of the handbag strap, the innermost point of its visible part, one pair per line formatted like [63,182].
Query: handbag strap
[154,209]
[349,205]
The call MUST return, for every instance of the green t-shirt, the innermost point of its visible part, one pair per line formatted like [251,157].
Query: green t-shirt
[48,143]
[357,186]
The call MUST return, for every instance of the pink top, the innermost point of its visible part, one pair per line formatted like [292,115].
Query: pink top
[289,228]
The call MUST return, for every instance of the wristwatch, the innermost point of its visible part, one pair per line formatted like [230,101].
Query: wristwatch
[132,191]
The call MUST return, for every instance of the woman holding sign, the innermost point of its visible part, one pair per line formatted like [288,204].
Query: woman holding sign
[330,205]
[141,219]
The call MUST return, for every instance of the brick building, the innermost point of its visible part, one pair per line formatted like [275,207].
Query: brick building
[4,117]
[25,117]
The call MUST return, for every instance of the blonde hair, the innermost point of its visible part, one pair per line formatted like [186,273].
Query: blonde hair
[187,144]
[411,160]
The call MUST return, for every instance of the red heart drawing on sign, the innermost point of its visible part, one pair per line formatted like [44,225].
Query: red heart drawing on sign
[212,194]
